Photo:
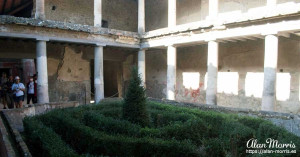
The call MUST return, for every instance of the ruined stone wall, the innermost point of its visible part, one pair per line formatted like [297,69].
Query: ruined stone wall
[68,73]
[191,11]
[68,67]
[156,73]
[156,14]
[187,11]
[240,77]
[120,14]
[72,11]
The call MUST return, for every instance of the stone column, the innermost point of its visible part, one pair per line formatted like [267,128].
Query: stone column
[171,73]
[142,66]
[97,13]
[120,80]
[141,17]
[171,14]
[271,8]
[40,9]
[270,69]
[213,8]
[98,78]
[212,73]
[42,81]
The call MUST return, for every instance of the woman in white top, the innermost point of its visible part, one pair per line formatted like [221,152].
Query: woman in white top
[18,88]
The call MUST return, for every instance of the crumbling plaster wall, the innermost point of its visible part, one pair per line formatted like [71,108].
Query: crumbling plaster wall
[68,73]
[240,78]
[68,67]
[120,14]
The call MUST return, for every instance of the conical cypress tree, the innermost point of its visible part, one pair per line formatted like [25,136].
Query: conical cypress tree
[134,105]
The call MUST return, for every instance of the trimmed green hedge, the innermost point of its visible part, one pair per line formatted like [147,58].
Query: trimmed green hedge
[43,141]
[179,131]
[108,124]
[173,131]
[95,142]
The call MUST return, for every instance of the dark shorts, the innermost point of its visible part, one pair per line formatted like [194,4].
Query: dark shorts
[19,98]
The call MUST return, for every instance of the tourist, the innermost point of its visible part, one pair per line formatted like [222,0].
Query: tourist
[3,90]
[18,88]
[31,92]
[9,92]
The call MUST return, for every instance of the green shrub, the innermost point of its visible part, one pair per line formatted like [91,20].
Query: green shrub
[134,106]
[43,141]
[162,118]
[94,142]
[173,131]
[236,135]
[194,130]
[102,123]
[214,147]
[251,122]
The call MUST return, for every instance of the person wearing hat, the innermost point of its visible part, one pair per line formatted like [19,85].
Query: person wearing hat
[18,88]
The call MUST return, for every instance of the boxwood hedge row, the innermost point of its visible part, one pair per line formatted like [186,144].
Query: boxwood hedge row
[84,139]
[173,131]
[43,141]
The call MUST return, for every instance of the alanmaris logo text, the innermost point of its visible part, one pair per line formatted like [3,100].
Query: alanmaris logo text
[270,143]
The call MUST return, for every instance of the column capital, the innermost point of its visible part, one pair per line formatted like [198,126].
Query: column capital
[269,32]
[143,49]
[100,45]
[42,39]
[170,44]
[210,36]
[171,14]
[211,39]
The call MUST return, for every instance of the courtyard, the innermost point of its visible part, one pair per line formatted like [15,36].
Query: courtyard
[233,65]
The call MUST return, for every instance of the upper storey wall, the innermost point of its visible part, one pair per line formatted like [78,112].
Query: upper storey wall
[123,15]
[156,14]
[242,10]
[191,11]
[72,11]
[229,11]
[187,11]
[119,14]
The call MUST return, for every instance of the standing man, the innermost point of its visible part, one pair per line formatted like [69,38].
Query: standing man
[18,88]
[30,91]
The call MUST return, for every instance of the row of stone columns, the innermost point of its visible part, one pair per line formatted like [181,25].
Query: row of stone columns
[270,69]
[270,64]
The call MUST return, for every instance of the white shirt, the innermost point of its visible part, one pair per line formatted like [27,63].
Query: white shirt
[18,88]
[31,88]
